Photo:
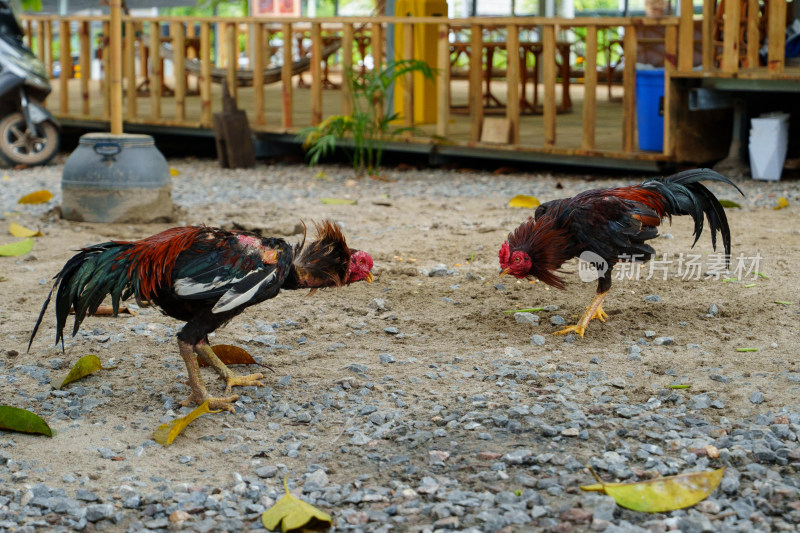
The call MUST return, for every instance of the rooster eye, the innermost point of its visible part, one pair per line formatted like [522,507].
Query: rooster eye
[516,260]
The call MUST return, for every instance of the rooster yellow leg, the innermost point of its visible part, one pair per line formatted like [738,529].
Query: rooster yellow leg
[595,310]
[231,379]
[199,393]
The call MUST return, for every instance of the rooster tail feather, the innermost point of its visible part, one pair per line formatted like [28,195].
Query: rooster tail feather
[684,195]
[86,279]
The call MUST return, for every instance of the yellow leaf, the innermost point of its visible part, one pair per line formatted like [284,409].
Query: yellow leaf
[174,172]
[85,366]
[524,201]
[38,197]
[19,231]
[17,248]
[292,513]
[6,177]
[661,494]
[782,202]
[23,421]
[322,176]
[166,433]
[338,201]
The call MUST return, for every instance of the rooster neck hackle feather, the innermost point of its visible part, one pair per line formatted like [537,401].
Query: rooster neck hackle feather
[546,244]
[323,261]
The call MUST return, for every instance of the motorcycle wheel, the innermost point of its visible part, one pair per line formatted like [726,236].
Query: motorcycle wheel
[18,146]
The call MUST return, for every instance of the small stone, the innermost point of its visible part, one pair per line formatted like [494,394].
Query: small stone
[663,341]
[267,471]
[284,381]
[655,298]
[713,310]
[526,318]
[570,432]
[99,511]
[756,397]
[391,330]
[649,333]
[450,522]
[557,320]
[618,383]
[386,358]
[179,516]
[510,351]
[437,456]
[720,378]
[576,515]
[538,340]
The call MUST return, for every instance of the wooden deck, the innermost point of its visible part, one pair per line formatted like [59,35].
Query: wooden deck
[569,124]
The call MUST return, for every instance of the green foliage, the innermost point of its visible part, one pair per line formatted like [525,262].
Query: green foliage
[366,127]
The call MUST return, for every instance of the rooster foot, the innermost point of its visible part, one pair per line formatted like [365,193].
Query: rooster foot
[577,328]
[599,314]
[251,380]
[196,398]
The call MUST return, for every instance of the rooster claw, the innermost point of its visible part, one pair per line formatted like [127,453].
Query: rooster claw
[251,380]
[571,329]
[214,404]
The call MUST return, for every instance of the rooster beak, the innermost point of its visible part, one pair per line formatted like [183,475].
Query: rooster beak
[504,272]
[369,277]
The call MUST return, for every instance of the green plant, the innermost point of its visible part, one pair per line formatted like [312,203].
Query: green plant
[368,126]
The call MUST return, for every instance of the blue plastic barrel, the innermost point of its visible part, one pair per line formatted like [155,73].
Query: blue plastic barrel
[649,94]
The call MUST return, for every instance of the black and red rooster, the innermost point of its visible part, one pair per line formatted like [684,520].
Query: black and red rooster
[613,224]
[205,277]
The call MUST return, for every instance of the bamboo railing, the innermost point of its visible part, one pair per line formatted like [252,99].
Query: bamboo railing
[218,43]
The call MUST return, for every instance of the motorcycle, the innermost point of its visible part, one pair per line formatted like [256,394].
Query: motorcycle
[29,134]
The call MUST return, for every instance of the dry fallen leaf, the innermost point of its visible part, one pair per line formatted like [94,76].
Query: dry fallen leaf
[17,248]
[524,201]
[231,355]
[19,231]
[38,197]
[22,421]
[106,310]
[292,513]
[782,202]
[166,433]
[85,366]
[661,494]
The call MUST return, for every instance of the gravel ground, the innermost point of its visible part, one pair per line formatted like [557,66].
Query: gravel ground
[413,403]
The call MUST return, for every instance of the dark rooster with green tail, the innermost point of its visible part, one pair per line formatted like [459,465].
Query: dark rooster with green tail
[205,277]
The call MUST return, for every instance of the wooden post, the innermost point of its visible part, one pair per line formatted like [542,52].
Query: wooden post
[257,35]
[549,75]
[730,40]
[512,80]
[443,82]
[286,76]
[86,65]
[66,66]
[105,81]
[590,89]
[191,32]
[232,48]
[156,71]
[347,69]
[377,45]
[377,58]
[709,10]
[179,66]
[776,35]
[670,51]
[629,90]
[48,37]
[205,74]
[29,33]
[752,33]
[115,66]
[686,36]
[316,73]
[41,39]
[130,68]
[475,80]
[408,79]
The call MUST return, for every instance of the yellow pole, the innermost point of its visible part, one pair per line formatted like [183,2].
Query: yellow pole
[115,61]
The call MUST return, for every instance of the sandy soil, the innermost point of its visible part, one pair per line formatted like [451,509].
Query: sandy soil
[453,325]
